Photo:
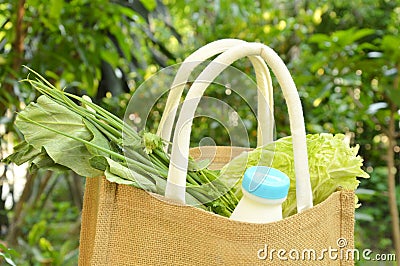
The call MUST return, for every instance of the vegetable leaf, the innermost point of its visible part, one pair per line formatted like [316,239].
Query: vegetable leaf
[61,149]
[23,152]
[120,174]
[43,161]
[98,139]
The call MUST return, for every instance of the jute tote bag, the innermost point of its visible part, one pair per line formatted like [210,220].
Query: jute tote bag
[122,225]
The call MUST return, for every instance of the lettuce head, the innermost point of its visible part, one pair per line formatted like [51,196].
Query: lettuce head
[333,165]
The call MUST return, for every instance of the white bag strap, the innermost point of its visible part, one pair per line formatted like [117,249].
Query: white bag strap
[176,182]
[265,128]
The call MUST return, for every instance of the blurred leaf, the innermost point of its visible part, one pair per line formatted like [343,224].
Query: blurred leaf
[363,217]
[375,54]
[37,232]
[129,12]
[2,60]
[7,258]
[109,57]
[341,37]
[364,191]
[354,34]
[367,46]
[375,107]
[119,35]
[7,254]
[320,39]
[394,94]
[67,248]
[45,244]
[365,194]
[55,8]
[390,46]
[149,4]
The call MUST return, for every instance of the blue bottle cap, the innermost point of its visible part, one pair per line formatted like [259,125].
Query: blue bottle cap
[266,182]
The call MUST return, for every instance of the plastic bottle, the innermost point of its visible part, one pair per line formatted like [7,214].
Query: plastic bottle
[264,191]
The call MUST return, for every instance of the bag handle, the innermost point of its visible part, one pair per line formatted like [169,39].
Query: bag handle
[176,181]
[264,93]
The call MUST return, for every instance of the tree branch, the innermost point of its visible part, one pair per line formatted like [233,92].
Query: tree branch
[394,212]
[17,46]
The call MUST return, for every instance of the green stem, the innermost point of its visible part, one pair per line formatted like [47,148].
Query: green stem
[117,122]
[61,98]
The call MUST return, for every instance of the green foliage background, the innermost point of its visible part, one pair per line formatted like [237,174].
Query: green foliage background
[343,55]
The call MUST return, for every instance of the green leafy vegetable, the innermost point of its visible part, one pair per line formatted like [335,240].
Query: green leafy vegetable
[60,134]
[333,165]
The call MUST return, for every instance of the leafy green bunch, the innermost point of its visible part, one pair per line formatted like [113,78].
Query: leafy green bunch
[64,131]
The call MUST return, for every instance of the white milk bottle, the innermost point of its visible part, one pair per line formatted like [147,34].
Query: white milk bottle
[264,190]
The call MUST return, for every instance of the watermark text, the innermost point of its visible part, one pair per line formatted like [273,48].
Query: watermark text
[339,252]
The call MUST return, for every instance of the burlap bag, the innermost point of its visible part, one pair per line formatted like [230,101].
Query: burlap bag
[123,225]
